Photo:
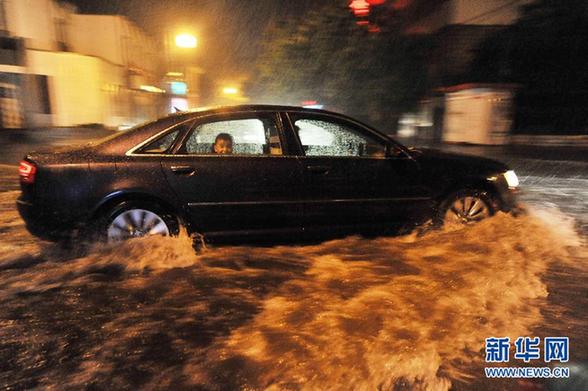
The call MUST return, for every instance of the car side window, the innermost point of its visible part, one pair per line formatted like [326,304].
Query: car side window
[163,143]
[325,138]
[247,136]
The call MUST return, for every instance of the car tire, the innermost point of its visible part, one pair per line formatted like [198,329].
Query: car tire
[464,207]
[131,219]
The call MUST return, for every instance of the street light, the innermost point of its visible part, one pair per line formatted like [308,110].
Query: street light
[187,41]
[230,91]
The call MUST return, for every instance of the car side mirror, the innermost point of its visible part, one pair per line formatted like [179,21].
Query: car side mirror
[393,151]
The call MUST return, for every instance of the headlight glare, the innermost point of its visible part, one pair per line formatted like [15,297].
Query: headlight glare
[511,179]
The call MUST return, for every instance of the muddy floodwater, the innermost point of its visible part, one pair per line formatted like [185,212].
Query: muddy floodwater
[387,313]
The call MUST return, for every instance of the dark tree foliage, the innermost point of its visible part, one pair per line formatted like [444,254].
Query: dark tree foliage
[324,56]
[546,53]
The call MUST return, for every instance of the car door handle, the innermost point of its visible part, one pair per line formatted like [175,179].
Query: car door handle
[318,169]
[183,170]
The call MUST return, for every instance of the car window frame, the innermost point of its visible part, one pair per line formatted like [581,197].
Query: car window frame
[346,122]
[134,151]
[228,116]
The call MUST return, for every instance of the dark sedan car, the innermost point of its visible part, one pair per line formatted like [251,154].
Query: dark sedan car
[288,172]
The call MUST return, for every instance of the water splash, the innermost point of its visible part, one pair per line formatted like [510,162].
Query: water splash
[371,314]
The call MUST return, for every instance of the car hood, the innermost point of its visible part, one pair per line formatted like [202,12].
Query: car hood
[465,164]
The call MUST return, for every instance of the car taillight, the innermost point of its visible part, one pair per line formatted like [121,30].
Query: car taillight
[27,171]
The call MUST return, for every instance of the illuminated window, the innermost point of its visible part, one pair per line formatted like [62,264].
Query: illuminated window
[178,88]
[251,136]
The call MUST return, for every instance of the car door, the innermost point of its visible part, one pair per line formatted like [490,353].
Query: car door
[353,181]
[251,191]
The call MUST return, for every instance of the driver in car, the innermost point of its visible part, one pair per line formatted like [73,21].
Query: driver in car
[223,144]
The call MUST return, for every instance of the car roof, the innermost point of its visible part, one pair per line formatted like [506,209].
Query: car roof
[269,107]
[255,107]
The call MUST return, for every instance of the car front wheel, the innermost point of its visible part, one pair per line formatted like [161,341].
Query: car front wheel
[465,207]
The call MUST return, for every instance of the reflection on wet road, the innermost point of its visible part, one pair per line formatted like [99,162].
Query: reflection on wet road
[388,313]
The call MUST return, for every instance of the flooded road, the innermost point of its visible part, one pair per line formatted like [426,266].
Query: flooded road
[388,313]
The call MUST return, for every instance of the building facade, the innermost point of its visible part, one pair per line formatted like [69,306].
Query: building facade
[60,68]
[457,28]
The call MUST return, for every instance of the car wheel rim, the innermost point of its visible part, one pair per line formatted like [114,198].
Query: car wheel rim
[135,223]
[467,210]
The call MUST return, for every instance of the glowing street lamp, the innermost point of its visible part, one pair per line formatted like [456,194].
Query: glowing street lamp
[187,41]
[230,91]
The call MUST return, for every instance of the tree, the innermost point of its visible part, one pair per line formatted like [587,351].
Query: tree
[325,56]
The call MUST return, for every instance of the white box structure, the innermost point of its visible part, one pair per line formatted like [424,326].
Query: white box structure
[478,115]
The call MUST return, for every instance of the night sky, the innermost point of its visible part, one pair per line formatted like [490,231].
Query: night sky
[229,31]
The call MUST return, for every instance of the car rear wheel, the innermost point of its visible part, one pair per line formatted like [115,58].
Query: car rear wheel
[465,207]
[129,220]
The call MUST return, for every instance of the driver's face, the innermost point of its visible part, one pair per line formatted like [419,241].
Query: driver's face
[223,147]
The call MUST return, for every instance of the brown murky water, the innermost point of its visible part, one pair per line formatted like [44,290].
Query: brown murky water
[389,313]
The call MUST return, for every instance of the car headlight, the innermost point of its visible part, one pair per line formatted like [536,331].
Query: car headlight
[511,179]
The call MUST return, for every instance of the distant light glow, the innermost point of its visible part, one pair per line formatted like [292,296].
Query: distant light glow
[309,102]
[187,41]
[174,74]
[178,88]
[230,91]
[152,89]
[373,28]
[313,106]
[360,7]
[400,4]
